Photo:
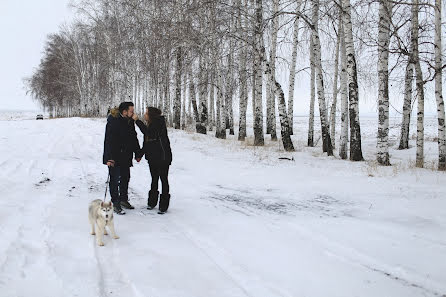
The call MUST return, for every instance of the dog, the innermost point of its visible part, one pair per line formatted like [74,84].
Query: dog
[101,214]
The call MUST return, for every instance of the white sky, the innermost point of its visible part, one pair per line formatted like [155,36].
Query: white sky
[24,25]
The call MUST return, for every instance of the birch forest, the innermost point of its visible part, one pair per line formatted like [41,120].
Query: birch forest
[226,66]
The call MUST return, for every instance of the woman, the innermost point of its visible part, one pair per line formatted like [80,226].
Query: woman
[159,155]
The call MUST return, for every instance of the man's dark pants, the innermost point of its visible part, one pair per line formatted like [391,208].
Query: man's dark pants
[119,183]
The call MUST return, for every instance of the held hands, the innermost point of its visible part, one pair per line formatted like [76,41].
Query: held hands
[111,163]
[135,117]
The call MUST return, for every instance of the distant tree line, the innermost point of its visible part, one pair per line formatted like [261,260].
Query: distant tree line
[201,62]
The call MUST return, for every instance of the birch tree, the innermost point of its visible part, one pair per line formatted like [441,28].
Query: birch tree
[407,105]
[353,94]
[177,102]
[439,90]
[385,12]
[243,79]
[258,78]
[335,88]
[419,161]
[326,142]
[292,78]
[310,141]
[344,98]
[271,100]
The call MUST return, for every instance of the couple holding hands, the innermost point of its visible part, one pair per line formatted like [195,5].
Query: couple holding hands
[121,143]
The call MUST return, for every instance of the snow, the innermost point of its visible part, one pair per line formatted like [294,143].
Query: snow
[241,222]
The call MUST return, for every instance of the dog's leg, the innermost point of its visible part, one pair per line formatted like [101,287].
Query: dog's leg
[105,230]
[112,229]
[101,228]
[92,226]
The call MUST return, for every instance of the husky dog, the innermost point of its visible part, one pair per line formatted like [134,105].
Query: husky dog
[101,214]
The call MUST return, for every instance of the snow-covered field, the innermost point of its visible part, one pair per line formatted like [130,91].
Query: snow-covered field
[241,222]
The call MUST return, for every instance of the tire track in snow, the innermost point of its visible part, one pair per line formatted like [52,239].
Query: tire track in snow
[222,259]
[349,254]
[203,246]
[356,258]
[111,279]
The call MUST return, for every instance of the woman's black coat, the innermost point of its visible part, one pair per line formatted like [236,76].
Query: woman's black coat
[156,142]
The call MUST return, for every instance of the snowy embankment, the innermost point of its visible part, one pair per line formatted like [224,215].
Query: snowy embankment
[241,223]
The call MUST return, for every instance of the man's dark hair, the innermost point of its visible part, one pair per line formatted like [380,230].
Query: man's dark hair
[125,106]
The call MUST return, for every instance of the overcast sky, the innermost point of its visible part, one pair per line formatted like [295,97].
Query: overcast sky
[24,25]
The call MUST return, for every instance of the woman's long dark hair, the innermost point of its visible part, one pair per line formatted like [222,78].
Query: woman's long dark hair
[154,114]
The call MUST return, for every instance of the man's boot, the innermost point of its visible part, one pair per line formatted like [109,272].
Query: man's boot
[164,203]
[118,210]
[126,204]
[153,199]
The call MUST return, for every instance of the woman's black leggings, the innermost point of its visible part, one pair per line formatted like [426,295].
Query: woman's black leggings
[159,171]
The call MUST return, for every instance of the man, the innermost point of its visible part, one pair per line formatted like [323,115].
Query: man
[119,146]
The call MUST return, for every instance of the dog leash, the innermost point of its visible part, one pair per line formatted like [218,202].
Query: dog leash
[106,185]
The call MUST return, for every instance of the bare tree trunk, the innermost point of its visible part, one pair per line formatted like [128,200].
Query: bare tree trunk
[193,100]
[335,89]
[211,108]
[243,86]
[258,115]
[284,121]
[293,68]
[166,97]
[344,100]
[221,127]
[183,103]
[271,126]
[419,161]
[385,12]
[312,97]
[326,142]
[200,123]
[177,102]
[229,94]
[439,90]
[407,105]
[353,94]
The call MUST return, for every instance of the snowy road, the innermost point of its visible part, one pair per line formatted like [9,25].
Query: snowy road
[242,223]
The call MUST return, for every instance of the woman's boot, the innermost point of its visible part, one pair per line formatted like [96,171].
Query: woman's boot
[153,199]
[164,203]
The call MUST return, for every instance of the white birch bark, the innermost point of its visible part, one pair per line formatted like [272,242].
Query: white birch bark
[326,142]
[271,126]
[258,115]
[335,89]
[419,160]
[284,121]
[310,141]
[344,100]
[183,103]
[221,125]
[200,125]
[243,86]
[211,108]
[293,68]
[407,105]
[439,90]
[193,99]
[385,13]
[177,102]
[353,94]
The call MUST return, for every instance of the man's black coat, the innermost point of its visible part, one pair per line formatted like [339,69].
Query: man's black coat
[120,140]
